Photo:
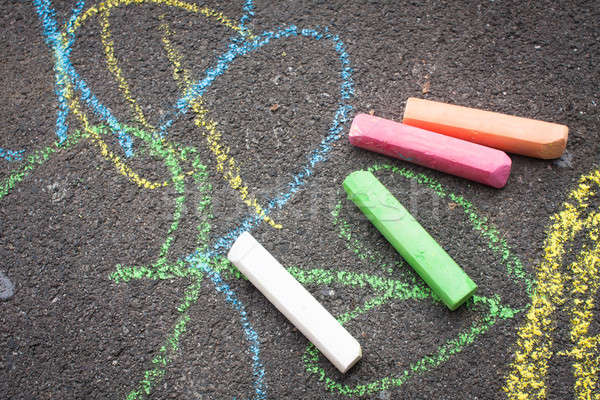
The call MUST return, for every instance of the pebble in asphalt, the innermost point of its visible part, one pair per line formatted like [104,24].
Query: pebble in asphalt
[565,161]
[7,289]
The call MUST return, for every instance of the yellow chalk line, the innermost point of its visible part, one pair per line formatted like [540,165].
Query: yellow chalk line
[225,163]
[121,167]
[222,155]
[103,9]
[104,150]
[191,7]
[113,67]
[176,59]
[534,345]
[586,281]
[585,350]
[104,12]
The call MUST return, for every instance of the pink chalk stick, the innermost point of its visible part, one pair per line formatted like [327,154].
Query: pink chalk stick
[443,153]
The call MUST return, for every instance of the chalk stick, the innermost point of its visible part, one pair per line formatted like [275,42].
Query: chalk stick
[295,302]
[443,153]
[410,239]
[513,134]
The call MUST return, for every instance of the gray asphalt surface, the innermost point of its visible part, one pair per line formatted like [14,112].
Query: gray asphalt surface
[107,302]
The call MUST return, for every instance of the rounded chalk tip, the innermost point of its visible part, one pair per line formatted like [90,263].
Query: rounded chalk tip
[353,355]
[243,244]
[499,177]
[359,120]
[556,146]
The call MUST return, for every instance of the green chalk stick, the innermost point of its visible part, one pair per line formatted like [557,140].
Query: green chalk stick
[408,237]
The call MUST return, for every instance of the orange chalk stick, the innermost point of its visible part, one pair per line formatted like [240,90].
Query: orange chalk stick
[517,135]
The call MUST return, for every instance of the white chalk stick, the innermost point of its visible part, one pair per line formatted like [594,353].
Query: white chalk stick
[295,302]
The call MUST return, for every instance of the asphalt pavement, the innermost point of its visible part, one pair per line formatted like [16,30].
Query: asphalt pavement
[140,138]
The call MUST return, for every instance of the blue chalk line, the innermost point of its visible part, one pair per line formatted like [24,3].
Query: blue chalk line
[246,18]
[200,261]
[319,154]
[299,180]
[65,70]
[237,47]
[11,155]
[61,84]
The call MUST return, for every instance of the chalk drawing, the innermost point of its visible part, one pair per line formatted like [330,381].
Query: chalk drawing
[162,268]
[165,270]
[573,287]
[11,155]
[60,81]
[70,81]
[225,163]
[492,309]
[556,288]
[33,160]
[56,41]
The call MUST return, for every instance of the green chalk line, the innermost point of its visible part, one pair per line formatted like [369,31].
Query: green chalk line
[36,159]
[496,243]
[384,289]
[162,268]
[166,271]
[391,289]
[357,247]
[395,290]
[443,354]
